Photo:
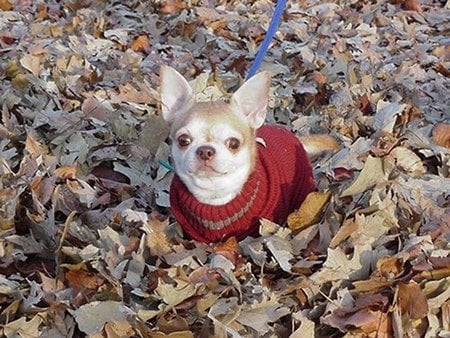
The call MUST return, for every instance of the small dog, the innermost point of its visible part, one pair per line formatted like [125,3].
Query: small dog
[230,169]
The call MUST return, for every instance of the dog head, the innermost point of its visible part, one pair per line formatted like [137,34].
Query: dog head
[213,143]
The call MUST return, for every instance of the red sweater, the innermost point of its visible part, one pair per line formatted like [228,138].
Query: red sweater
[279,184]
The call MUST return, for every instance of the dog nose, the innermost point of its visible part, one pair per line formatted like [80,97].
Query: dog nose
[206,152]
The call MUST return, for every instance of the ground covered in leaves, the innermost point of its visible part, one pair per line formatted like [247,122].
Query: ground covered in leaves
[87,245]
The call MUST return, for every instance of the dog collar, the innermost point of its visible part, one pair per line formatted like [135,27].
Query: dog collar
[217,225]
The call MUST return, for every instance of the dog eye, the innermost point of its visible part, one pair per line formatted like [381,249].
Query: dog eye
[233,143]
[184,140]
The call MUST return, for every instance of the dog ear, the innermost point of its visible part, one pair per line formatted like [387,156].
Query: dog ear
[176,94]
[252,98]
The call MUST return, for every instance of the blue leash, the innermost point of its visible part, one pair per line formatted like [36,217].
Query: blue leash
[273,26]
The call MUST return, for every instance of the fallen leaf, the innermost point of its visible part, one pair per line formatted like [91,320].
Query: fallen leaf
[413,5]
[93,316]
[372,174]
[67,172]
[91,107]
[281,251]
[408,161]
[5,5]
[23,328]
[442,52]
[31,63]
[80,279]
[141,44]
[386,115]
[34,147]
[172,6]
[411,300]
[310,211]
[173,295]
[345,231]
[441,134]
[390,267]
[118,328]
[260,314]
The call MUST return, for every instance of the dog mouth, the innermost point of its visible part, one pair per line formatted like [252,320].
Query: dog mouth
[205,170]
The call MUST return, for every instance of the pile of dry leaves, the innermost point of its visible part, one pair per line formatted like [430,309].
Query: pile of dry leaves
[87,246]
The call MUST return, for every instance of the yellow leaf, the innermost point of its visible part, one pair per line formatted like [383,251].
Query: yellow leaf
[309,212]
[20,81]
[12,70]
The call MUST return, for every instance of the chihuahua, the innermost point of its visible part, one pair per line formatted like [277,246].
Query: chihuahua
[231,170]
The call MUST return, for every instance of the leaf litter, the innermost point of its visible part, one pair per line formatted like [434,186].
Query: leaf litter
[87,243]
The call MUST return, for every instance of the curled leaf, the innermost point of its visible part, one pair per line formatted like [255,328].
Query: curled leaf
[310,210]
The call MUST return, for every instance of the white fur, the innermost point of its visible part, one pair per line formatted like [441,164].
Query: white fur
[225,174]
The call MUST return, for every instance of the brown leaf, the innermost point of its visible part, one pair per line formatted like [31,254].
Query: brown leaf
[141,44]
[12,70]
[371,285]
[172,323]
[42,12]
[349,227]
[158,244]
[127,92]
[229,249]
[20,81]
[34,147]
[441,134]
[118,328]
[367,319]
[310,211]
[441,68]
[67,172]
[390,267]
[442,52]
[43,187]
[178,334]
[412,5]
[91,107]
[172,6]
[5,5]
[412,300]
[77,4]
[365,105]
[157,241]
[79,279]
[203,275]
[316,145]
